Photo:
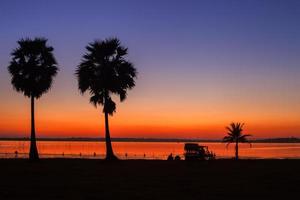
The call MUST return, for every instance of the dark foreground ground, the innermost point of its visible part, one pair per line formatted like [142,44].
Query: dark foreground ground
[137,179]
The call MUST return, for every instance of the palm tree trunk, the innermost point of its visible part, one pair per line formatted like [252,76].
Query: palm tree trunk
[109,151]
[236,150]
[33,152]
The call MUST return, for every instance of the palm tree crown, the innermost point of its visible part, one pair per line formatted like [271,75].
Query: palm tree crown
[33,67]
[104,71]
[235,133]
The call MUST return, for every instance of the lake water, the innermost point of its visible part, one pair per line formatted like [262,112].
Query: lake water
[144,150]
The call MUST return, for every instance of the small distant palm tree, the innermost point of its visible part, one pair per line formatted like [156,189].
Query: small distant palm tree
[235,135]
[32,69]
[103,72]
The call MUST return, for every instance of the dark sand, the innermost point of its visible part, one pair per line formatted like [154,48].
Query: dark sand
[142,179]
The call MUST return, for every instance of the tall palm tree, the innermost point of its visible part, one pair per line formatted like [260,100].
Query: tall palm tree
[235,135]
[32,69]
[104,71]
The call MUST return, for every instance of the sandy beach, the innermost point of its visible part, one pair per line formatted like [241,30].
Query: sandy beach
[144,179]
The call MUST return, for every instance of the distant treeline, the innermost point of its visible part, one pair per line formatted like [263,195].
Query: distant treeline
[278,140]
[268,140]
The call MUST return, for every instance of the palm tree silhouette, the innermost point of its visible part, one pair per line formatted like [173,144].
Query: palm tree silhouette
[104,71]
[235,135]
[32,69]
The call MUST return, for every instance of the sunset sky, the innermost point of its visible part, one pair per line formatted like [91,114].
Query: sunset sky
[201,65]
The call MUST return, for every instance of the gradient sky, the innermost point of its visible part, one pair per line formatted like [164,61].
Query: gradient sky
[201,64]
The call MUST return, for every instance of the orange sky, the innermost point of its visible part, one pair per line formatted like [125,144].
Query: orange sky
[62,115]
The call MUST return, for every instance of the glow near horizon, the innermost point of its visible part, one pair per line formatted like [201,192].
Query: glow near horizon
[201,66]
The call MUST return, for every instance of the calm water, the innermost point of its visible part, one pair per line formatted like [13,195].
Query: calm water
[144,150]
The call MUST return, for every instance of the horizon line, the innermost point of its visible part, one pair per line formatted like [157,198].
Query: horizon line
[146,139]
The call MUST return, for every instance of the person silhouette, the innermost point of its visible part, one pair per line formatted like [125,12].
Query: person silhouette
[170,157]
[177,157]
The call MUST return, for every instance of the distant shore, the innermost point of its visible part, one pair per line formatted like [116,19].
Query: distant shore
[82,139]
[145,179]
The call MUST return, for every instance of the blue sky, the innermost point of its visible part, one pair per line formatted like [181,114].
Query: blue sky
[216,54]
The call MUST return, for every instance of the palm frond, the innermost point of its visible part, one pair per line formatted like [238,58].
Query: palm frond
[109,106]
[244,139]
[228,143]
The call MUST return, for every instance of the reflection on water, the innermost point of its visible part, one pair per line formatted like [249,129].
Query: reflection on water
[144,150]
